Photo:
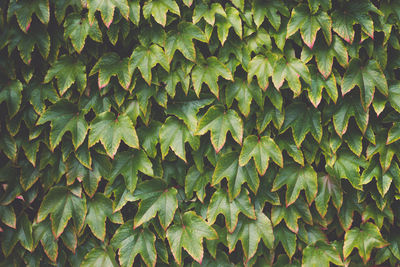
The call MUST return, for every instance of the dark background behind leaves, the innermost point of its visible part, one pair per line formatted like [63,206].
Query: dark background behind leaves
[176,130]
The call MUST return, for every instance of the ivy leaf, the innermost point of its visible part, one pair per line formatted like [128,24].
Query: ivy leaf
[221,204]
[42,232]
[197,181]
[224,23]
[155,197]
[78,29]
[219,121]
[24,10]
[174,134]
[271,10]
[39,93]
[159,8]
[318,82]
[321,254]
[128,163]
[67,70]
[365,239]
[297,178]
[106,8]
[302,120]
[261,150]
[147,58]
[250,232]
[62,205]
[207,71]
[228,167]
[110,130]
[262,67]
[65,117]
[189,235]
[287,238]
[110,64]
[244,93]
[366,77]
[309,24]
[12,94]
[208,13]
[99,208]
[182,40]
[328,188]
[100,257]
[132,242]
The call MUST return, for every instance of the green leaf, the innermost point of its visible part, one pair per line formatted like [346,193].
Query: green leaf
[174,134]
[155,197]
[78,29]
[365,238]
[261,150]
[24,10]
[67,70]
[221,204]
[207,71]
[318,82]
[250,232]
[39,93]
[146,58]
[132,242]
[366,77]
[159,8]
[62,205]
[271,10]
[302,120]
[110,130]
[321,254]
[228,167]
[182,40]
[101,257]
[7,216]
[11,93]
[328,188]
[197,181]
[208,13]
[65,116]
[219,121]
[394,133]
[189,235]
[128,164]
[244,93]
[261,67]
[106,8]
[309,24]
[297,178]
[110,64]
[42,232]
[287,238]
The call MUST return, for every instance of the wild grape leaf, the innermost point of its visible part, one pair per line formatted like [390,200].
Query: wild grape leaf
[262,67]
[65,116]
[365,238]
[297,178]
[189,234]
[349,107]
[110,130]
[24,9]
[39,93]
[250,232]
[132,242]
[128,164]
[290,69]
[219,121]
[224,23]
[261,150]
[106,8]
[42,232]
[174,134]
[385,151]
[110,64]
[147,58]
[318,83]
[377,215]
[366,77]
[346,16]
[149,138]
[63,204]
[321,254]
[99,208]
[328,188]
[221,204]
[228,167]
[244,93]
[155,197]
[67,70]
[309,24]
[12,94]
[78,29]
[271,10]
[100,257]
[287,238]
[208,13]
[159,8]
[207,71]
[302,120]
[182,39]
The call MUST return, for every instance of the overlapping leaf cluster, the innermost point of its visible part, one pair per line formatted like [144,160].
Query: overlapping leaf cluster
[163,132]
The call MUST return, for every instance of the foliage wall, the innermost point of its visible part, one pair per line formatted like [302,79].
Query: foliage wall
[163,132]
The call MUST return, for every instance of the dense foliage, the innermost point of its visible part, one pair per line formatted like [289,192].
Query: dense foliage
[163,132]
